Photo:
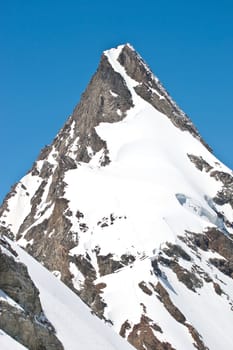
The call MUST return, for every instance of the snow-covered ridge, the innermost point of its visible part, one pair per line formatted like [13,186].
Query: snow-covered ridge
[113,55]
[116,52]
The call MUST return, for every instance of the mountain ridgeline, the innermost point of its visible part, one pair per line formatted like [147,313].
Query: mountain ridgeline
[132,211]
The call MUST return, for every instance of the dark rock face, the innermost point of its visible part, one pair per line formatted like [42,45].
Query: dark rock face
[99,105]
[145,288]
[125,326]
[220,243]
[153,92]
[33,332]
[84,265]
[107,264]
[197,240]
[4,206]
[225,178]
[91,295]
[225,195]
[217,288]
[217,241]
[4,243]
[53,240]
[171,308]
[223,265]
[15,281]
[89,292]
[24,321]
[176,250]
[200,163]
[188,278]
[142,335]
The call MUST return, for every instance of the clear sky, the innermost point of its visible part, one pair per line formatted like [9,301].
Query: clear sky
[49,49]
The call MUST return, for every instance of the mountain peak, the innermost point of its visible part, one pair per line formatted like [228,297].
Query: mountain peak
[130,59]
[140,81]
[119,48]
[128,201]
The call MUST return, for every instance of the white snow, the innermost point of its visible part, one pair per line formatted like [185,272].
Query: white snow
[9,300]
[78,278]
[208,312]
[8,343]
[43,217]
[52,156]
[72,129]
[73,148]
[131,307]
[20,202]
[113,93]
[119,112]
[72,319]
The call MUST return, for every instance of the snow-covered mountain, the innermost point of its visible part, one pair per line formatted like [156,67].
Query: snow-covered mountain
[129,207]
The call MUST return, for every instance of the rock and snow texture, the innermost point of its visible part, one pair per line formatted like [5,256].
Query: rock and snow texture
[22,318]
[72,320]
[132,211]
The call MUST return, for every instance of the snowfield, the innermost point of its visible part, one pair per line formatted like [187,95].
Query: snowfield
[8,343]
[76,327]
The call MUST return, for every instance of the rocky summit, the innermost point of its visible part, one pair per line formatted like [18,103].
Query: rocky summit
[132,211]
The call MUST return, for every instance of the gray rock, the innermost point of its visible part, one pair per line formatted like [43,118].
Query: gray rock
[26,322]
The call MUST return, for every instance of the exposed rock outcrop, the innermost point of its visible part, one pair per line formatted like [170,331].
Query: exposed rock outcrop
[22,316]
[200,163]
[151,90]
[171,308]
[142,336]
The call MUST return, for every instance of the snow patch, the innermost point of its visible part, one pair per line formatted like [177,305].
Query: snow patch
[78,278]
[8,343]
[113,94]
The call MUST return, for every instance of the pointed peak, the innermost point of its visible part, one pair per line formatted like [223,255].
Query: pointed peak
[125,60]
[133,64]
[131,61]
[125,54]
[118,49]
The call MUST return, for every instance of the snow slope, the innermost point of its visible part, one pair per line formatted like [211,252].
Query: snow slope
[76,327]
[8,343]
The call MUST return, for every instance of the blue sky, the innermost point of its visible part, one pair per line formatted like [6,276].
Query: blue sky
[50,49]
